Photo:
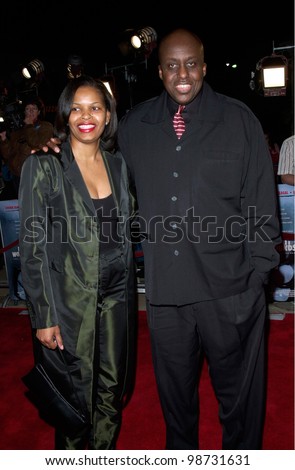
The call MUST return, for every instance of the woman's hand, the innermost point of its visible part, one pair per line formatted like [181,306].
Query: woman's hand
[50,337]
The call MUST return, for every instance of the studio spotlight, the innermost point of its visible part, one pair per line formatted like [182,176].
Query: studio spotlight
[33,70]
[274,70]
[74,66]
[145,38]
[138,43]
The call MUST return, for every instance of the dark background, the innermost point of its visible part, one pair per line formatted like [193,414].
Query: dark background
[241,32]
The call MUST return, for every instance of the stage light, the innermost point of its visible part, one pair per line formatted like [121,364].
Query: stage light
[273,71]
[137,43]
[33,70]
[145,38]
[274,77]
[74,66]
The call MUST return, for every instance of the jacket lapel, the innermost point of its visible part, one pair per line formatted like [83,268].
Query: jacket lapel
[73,174]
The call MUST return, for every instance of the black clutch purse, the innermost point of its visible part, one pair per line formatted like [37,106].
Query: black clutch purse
[53,392]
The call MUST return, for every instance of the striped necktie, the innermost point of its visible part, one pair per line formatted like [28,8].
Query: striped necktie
[178,122]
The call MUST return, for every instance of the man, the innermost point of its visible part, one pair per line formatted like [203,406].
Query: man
[286,167]
[208,215]
[207,207]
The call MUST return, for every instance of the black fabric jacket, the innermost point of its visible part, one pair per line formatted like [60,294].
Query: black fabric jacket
[207,202]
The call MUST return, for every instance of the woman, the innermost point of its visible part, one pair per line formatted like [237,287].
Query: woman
[76,256]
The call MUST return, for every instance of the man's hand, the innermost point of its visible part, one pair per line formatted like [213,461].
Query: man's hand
[53,143]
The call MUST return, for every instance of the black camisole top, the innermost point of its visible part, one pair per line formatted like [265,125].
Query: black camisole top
[107,215]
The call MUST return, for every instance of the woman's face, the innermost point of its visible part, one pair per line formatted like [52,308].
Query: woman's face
[88,116]
[32,112]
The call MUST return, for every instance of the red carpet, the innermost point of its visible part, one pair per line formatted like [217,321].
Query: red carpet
[143,427]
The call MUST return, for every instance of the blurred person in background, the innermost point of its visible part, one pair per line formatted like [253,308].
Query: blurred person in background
[16,146]
[286,168]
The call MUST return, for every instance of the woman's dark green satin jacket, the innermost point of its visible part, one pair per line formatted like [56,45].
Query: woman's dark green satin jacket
[59,249]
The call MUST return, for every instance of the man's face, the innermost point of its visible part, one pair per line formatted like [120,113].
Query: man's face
[182,68]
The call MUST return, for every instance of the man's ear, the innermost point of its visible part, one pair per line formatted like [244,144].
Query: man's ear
[160,72]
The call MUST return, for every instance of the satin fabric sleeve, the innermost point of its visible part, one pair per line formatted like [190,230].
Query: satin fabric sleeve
[36,188]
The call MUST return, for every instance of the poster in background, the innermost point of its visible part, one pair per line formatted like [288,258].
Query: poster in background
[9,225]
[282,278]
